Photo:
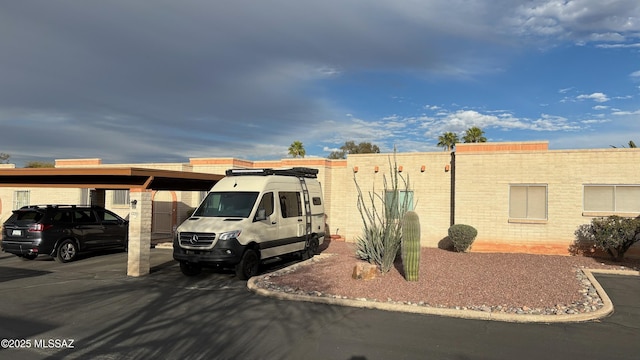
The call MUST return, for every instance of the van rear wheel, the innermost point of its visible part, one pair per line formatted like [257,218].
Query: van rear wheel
[248,265]
[311,249]
[190,269]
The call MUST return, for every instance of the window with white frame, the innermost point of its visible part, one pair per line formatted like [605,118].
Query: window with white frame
[612,198]
[120,197]
[528,201]
[21,198]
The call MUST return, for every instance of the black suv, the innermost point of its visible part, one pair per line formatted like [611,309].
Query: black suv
[62,231]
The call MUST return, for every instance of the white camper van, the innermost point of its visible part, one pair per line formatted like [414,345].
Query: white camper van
[252,215]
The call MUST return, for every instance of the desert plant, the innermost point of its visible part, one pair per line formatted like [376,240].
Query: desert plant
[613,234]
[462,236]
[411,245]
[584,243]
[382,229]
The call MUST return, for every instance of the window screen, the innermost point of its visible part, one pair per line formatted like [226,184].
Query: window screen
[612,198]
[20,199]
[120,197]
[528,202]
[398,202]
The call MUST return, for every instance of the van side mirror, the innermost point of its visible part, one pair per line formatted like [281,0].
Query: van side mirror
[261,215]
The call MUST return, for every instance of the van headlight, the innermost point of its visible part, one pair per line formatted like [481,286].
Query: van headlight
[230,235]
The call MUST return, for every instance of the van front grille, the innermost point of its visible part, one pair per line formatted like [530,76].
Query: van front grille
[197,239]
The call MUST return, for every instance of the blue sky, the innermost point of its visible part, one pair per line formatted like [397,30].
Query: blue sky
[165,81]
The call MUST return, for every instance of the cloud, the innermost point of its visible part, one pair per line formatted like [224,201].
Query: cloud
[132,81]
[619,46]
[597,97]
[580,20]
[625,113]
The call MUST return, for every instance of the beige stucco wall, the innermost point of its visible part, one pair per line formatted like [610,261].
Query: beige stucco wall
[37,196]
[483,174]
[482,193]
[431,187]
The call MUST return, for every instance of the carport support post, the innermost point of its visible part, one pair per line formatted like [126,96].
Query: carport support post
[139,262]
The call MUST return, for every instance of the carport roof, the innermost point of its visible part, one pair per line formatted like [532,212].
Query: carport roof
[108,178]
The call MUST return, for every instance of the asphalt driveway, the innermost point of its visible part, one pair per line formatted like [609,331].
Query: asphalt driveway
[166,315]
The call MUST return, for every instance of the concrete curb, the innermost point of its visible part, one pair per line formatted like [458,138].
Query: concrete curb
[606,310]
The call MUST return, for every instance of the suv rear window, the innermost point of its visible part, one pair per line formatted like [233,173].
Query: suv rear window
[31,216]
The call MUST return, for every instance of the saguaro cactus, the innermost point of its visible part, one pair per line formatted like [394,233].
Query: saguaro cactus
[411,245]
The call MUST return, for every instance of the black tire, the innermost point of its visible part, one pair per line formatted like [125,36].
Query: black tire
[249,265]
[28,256]
[190,269]
[314,245]
[66,251]
[311,249]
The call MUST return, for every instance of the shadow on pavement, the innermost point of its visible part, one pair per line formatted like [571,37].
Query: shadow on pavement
[11,273]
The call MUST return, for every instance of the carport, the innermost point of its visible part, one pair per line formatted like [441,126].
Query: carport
[140,182]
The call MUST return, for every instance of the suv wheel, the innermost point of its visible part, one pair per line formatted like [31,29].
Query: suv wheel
[66,251]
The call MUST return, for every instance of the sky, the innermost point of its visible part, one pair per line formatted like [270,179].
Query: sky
[137,81]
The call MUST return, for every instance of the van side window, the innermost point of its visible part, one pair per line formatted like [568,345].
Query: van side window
[267,204]
[316,200]
[290,204]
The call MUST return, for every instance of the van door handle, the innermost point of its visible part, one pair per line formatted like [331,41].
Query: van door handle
[299,220]
[274,222]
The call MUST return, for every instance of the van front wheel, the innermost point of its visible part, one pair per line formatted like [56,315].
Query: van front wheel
[248,265]
[190,269]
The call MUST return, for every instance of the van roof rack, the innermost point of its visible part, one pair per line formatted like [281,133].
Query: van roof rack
[295,171]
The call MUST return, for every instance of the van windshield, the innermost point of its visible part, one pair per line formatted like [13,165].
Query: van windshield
[227,204]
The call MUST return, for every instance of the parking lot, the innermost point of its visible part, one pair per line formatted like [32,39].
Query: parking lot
[108,315]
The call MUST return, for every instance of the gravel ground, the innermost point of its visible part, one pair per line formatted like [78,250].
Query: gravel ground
[506,283]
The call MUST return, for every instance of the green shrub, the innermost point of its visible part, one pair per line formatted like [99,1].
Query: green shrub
[462,236]
[613,234]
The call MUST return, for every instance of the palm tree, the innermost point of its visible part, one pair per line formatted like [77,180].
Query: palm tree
[448,140]
[474,135]
[632,145]
[297,149]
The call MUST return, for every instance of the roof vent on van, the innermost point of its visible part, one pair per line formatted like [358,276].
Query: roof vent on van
[296,172]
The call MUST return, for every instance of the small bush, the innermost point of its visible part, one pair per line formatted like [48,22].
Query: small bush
[613,234]
[584,243]
[462,236]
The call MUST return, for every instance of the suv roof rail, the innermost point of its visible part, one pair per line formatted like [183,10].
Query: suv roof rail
[45,206]
[295,171]
[55,206]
